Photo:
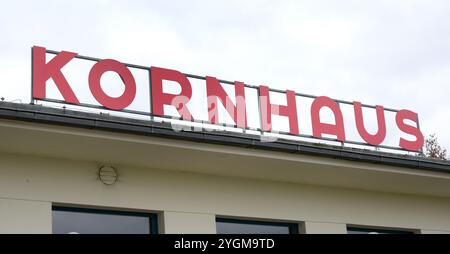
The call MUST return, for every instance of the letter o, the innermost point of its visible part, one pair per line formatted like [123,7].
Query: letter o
[115,103]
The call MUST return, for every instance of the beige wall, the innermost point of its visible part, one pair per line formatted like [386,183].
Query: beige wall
[426,231]
[189,202]
[25,216]
[310,227]
[188,223]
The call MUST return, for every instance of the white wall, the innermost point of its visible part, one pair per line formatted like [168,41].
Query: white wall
[25,216]
[310,227]
[188,223]
[188,202]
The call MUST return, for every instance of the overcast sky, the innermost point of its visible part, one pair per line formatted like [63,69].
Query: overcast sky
[394,53]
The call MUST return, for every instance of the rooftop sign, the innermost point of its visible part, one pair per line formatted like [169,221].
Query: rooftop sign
[69,78]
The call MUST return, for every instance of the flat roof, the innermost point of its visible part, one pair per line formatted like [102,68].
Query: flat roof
[105,122]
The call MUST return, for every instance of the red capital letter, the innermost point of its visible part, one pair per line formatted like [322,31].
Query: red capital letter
[267,109]
[95,75]
[159,98]
[238,112]
[318,127]
[43,71]
[412,130]
[377,138]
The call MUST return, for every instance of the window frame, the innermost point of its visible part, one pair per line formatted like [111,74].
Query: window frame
[152,217]
[292,227]
[381,230]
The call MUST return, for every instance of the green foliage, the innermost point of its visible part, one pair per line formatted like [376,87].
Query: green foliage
[433,149]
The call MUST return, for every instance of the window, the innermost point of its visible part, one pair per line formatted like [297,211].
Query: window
[92,221]
[364,230]
[234,226]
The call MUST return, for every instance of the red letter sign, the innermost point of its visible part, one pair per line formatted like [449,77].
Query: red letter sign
[412,130]
[128,95]
[318,127]
[376,139]
[160,98]
[267,109]
[43,71]
[214,90]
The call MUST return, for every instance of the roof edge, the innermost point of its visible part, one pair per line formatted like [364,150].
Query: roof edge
[105,122]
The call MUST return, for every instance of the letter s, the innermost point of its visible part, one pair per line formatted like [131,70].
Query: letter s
[412,130]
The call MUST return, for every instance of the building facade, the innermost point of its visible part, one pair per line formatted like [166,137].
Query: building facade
[64,171]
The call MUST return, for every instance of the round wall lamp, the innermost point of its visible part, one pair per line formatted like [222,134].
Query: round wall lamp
[107,175]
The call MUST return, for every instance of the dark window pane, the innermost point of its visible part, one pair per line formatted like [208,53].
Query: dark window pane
[356,230]
[82,221]
[226,226]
